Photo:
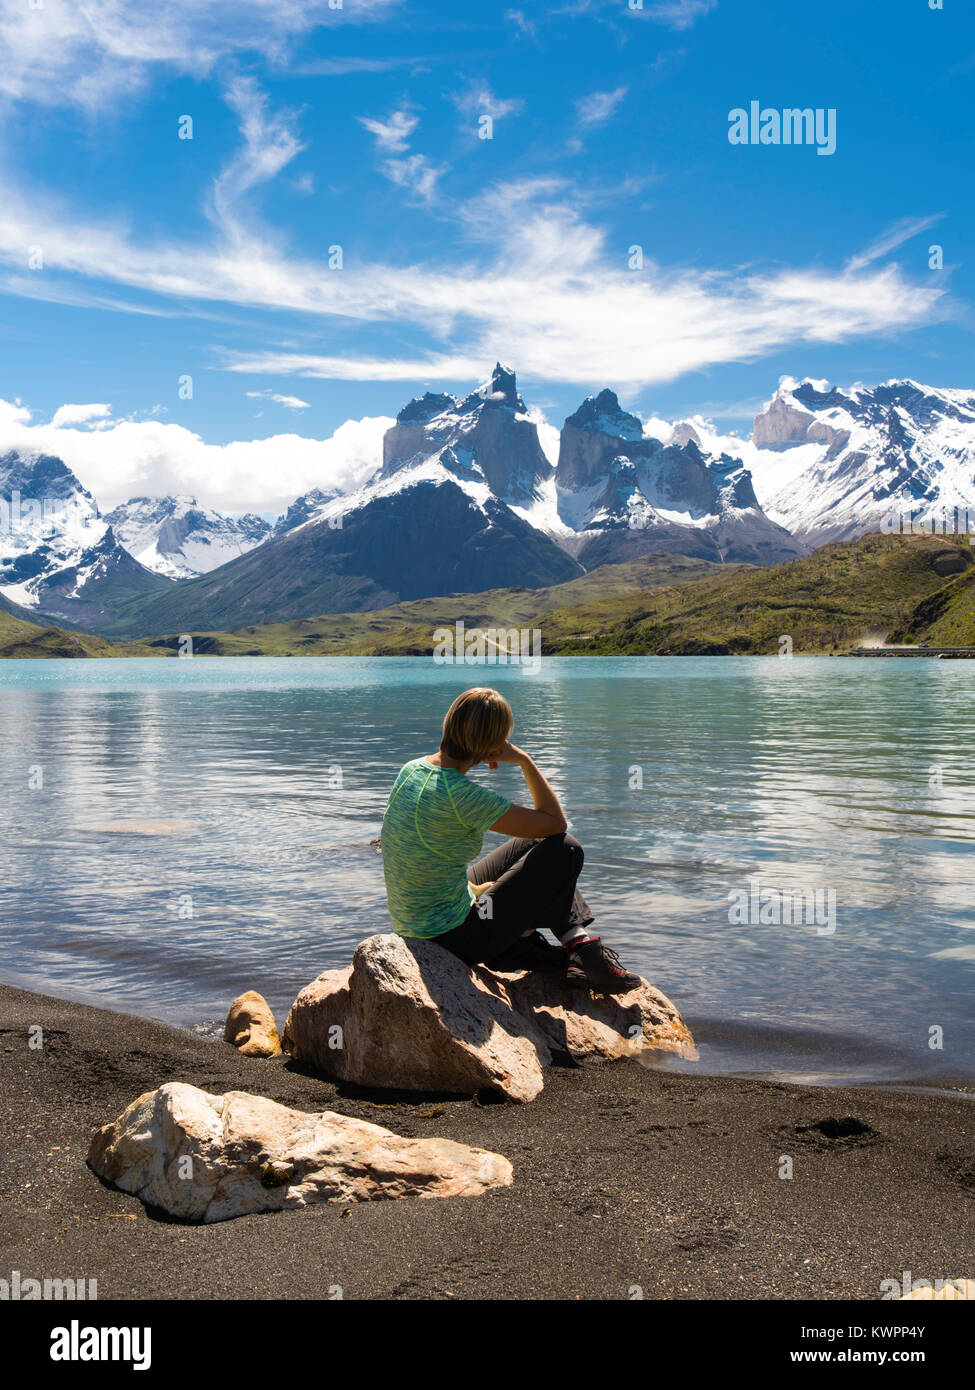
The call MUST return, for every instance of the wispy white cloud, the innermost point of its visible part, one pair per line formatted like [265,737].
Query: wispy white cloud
[416,174]
[478,100]
[90,55]
[270,144]
[434,367]
[598,107]
[521,22]
[291,402]
[895,235]
[532,279]
[394,132]
[353,67]
[677,14]
[413,172]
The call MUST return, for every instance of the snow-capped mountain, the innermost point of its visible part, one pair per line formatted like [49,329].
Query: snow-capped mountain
[437,517]
[302,509]
[463,498]
[832,464]
[58,557]
[176,537]
[625,493]
[489,435]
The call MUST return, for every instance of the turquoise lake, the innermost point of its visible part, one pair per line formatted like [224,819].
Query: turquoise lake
[686,779]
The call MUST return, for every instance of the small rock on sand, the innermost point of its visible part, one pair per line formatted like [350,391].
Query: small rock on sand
[250,1026]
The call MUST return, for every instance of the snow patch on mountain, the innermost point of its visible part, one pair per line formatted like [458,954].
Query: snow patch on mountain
[177,538]
[49,524]
[833,464]
[58,557]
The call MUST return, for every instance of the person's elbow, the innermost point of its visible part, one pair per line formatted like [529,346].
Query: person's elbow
[548,823]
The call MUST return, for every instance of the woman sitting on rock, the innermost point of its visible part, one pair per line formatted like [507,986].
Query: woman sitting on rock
[488,911]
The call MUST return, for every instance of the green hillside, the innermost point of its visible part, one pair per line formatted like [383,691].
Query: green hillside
[874,589]
[946,618]
[22,639]
[914,589]
[407,628]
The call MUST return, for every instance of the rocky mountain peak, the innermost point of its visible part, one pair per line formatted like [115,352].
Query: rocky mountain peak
[500,390]
[178,538]
[604,415]
[422,409]
[487,432]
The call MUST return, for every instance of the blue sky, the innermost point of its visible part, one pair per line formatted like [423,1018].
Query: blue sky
[357,127]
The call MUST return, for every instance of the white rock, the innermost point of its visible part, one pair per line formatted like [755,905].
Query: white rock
[209,1158]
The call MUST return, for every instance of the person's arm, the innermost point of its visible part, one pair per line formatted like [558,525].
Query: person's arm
[546,818]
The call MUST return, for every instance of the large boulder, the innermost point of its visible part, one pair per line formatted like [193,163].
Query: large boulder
[209,1158]
[584,1024]
[408,1015]
[250,1026]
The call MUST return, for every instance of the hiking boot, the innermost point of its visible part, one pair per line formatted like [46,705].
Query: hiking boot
[532,953]
[596,967]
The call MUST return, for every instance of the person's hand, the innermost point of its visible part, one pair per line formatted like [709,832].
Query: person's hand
[507,753]
[478,888]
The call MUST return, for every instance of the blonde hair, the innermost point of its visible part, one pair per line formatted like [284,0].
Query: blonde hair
[477,723]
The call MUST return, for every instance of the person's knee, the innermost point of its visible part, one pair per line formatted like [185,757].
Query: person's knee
[566,847]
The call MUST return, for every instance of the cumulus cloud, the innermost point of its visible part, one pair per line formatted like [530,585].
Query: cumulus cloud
[150,458]
[78,414]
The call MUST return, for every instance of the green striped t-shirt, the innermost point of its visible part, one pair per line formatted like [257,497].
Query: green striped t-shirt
[433,827]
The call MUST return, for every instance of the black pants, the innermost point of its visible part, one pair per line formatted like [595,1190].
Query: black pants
[533,886]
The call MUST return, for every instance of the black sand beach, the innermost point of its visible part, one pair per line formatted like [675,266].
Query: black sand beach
[624,1176]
